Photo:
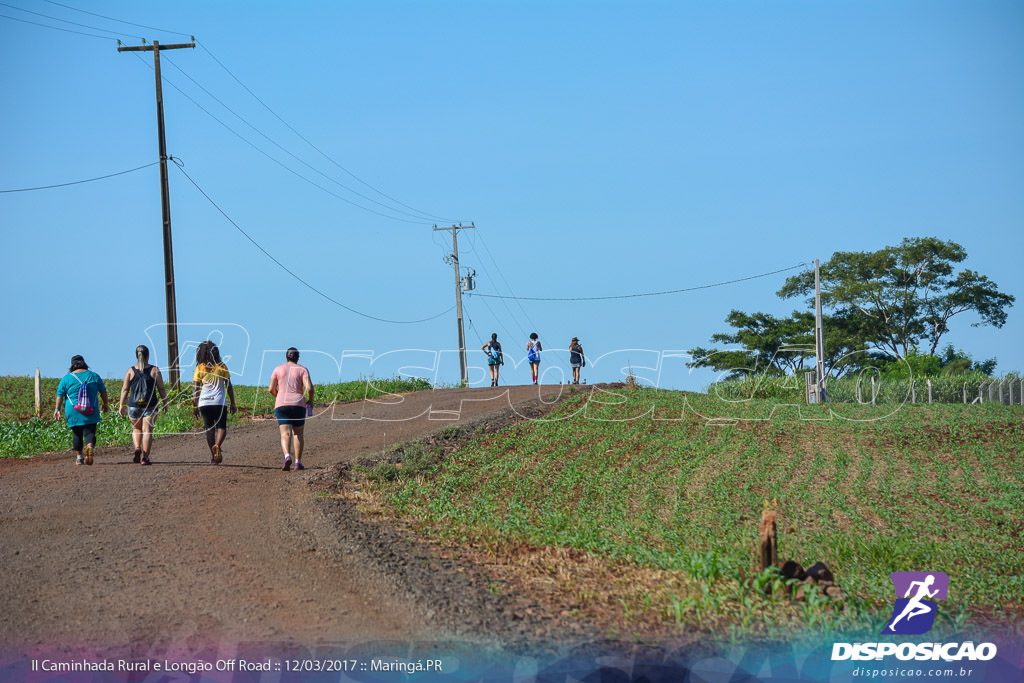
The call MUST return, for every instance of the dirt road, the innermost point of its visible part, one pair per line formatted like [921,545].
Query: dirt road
[187,558]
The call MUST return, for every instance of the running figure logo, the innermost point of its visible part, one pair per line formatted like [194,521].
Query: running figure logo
[914,612]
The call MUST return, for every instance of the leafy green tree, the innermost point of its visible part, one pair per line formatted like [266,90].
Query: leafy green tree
[904,295]
[779,346]
[883,305]
[948,362]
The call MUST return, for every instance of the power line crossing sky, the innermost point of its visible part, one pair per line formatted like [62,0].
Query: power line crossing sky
[600,150]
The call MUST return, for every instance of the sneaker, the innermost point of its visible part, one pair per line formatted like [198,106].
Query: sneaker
[79,460]
[138,456]
[217,457]
[145,461]
[287,465]
[298,465]
[88,455]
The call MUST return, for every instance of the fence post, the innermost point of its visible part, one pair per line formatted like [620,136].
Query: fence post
[1009,390]
[981,393]
[929,390]
[965,393]
[872,390]
[860,399]
[990,391]
[913,391]
[39,397]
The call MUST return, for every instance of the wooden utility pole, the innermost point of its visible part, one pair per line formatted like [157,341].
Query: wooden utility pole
[819,341]
[172,313]
[463,369]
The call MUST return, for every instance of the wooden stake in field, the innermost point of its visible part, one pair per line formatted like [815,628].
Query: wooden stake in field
[769,539]
[39,397]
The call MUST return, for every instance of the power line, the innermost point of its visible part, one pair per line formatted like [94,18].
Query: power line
[277,161]
[633,296]
[487,271]
[321,152]
[120,21]
[180,166]
[417,212]
[65,21]
[79,182]
[498,324]
[490,255]
[55,28]
[289,153]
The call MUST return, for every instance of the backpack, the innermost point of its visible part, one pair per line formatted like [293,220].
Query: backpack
[142,388]
[532,354]
[495,352]
[83,403]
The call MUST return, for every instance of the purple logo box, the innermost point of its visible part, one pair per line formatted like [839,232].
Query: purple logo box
[939,582]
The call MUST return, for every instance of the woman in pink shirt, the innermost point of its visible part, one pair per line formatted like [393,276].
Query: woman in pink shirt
[291,385]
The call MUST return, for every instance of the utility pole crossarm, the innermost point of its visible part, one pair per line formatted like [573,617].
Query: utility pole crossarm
[150,48]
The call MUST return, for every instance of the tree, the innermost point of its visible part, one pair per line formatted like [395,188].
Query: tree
[883,305]
[779,346]
[904,295]
[948,362]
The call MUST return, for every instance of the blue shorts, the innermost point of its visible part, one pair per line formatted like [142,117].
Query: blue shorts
[136,413]
[291,415]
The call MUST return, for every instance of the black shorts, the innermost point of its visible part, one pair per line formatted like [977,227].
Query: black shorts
[214,416]
[81,435]
[291,415]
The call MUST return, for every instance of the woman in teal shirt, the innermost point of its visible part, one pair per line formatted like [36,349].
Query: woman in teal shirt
[83,427]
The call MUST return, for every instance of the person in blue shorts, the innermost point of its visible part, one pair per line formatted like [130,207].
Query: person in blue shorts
[533,349]
[293,401]
[81,410]
[577,359]
[142,384]
[495,359]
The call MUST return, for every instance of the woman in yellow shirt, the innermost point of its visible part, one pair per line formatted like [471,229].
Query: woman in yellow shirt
[211,391]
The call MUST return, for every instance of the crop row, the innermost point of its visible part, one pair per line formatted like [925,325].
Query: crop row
[931,487]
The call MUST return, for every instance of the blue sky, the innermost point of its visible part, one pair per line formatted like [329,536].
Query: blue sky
[600,149]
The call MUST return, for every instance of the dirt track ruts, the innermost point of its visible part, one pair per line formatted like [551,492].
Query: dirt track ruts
[187,558]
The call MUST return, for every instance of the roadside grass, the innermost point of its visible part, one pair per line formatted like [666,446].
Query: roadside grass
[22,434]
[642,506]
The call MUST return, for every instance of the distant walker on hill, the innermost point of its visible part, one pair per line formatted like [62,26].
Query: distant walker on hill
[495,358]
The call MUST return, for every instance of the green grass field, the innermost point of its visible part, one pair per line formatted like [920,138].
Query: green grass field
[668,488]
[22,434]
